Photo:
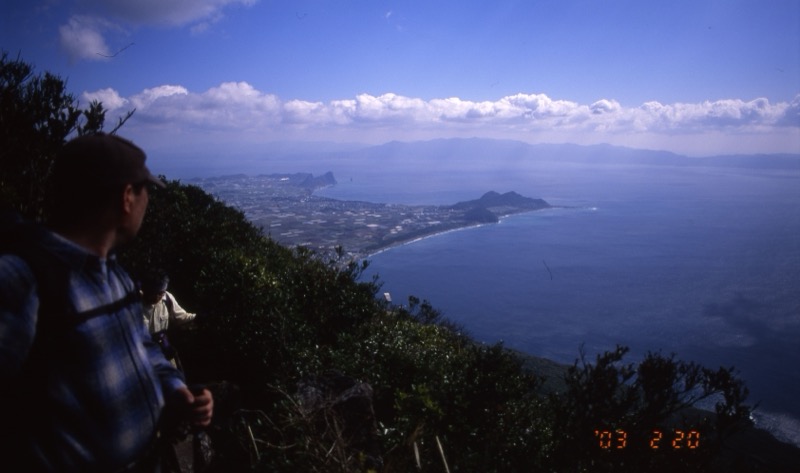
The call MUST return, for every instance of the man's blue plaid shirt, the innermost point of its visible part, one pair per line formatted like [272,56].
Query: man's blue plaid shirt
[95,393]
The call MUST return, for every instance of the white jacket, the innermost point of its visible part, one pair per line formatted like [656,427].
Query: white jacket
[158,316]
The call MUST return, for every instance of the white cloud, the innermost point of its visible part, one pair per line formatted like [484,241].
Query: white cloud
[605,106]
[718,115]
[230,106]
[149,96]
[237,109]
[791,116]
[110,99]
[388,108]
[203,26]
[240,93]
[162,12]
[540,106]
[82,38]
[301,112]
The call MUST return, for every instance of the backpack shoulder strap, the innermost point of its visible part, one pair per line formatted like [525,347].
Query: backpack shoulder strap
[52,275]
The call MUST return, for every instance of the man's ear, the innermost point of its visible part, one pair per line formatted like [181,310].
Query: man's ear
[128,199]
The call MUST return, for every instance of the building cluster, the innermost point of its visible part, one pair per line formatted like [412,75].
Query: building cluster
[289,213]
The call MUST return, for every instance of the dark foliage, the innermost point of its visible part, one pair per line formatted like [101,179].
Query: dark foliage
[36,117]
[646,401]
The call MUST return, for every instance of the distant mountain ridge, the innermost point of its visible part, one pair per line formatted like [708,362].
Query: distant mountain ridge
[463,154]
[478,155]
[439,150]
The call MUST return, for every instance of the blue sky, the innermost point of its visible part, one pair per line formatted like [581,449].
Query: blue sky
[696,77]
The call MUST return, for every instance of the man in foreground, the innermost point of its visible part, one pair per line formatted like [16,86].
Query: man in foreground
[85,386]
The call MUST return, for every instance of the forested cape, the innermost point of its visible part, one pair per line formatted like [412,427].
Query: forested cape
[313,372]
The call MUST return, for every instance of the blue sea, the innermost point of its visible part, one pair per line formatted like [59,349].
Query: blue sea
[702,262]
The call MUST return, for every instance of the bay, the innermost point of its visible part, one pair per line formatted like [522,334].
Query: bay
[700,262]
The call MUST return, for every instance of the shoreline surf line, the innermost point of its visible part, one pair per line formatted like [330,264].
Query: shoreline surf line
[466,227]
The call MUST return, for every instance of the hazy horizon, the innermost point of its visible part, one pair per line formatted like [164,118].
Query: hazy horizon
[226,76]
[405,156]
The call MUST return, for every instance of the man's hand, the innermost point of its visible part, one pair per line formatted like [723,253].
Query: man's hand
[196,408]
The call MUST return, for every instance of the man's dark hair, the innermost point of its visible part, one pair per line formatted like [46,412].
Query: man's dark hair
[154,281]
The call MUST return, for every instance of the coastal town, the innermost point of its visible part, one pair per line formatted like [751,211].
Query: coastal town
[285,208]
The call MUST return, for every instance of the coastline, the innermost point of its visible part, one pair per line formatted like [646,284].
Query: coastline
[398,244]
[371,253]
